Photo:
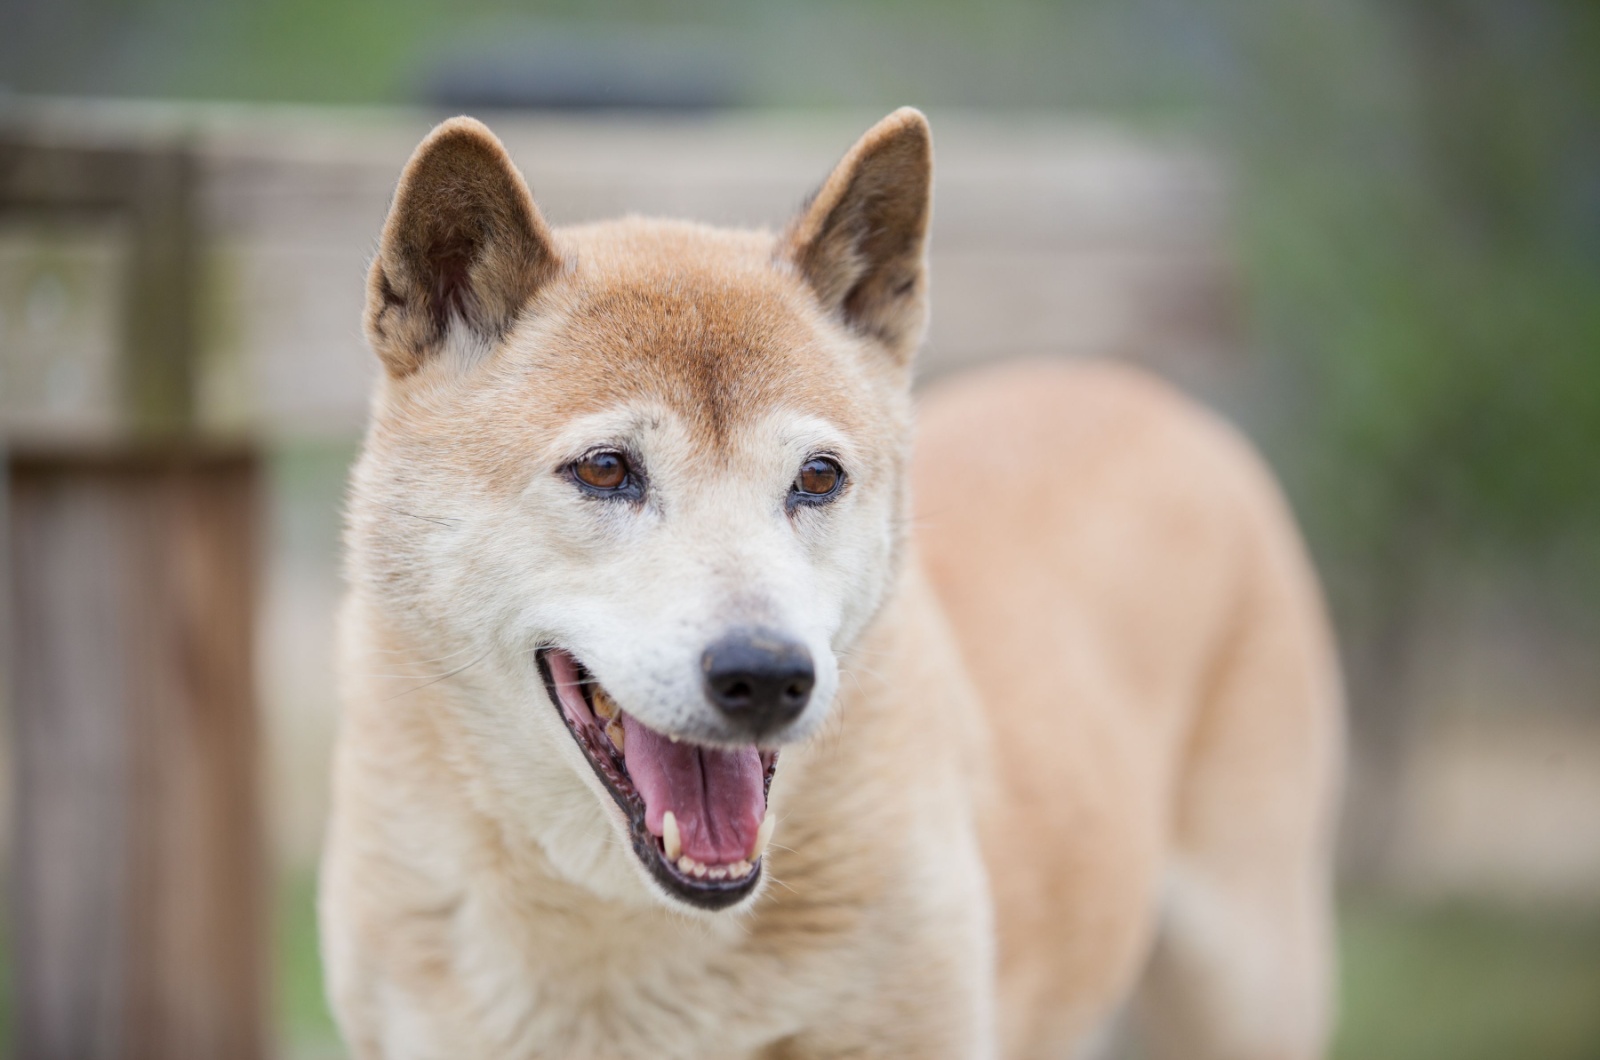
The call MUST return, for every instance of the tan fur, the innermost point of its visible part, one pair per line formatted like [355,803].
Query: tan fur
[1086,729]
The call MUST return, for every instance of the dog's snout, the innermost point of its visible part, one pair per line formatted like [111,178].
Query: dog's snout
[758,678]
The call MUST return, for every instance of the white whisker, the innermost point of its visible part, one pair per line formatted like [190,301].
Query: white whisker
[441,677]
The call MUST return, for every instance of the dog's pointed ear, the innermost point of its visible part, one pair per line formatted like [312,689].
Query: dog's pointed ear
[861,242]
[464,247]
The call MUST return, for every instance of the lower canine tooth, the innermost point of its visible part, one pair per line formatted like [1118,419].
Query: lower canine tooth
[763,837]
[614,731]
[670,839]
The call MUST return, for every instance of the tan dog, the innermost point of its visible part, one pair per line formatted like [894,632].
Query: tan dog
[666,737]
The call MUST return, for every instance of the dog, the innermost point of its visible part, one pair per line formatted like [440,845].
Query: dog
[692,710]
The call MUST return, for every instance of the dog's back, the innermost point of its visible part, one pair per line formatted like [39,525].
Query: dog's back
[1143,629]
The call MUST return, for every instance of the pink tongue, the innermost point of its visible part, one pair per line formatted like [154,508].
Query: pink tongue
[715,794]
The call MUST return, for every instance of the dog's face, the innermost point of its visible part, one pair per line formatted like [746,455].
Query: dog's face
[635,486]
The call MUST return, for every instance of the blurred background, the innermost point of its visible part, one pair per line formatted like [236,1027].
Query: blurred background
[1367,232]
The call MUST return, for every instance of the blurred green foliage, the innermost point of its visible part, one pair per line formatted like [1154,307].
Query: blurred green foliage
[1424,256]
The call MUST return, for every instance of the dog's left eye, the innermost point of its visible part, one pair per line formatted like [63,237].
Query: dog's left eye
[819,479]
[604,471]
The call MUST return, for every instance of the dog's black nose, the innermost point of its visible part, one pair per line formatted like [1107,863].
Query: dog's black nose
[759,678]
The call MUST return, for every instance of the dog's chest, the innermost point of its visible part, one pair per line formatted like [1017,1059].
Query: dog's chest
[633,986]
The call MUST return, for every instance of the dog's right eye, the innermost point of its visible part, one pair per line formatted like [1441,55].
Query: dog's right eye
[604,470]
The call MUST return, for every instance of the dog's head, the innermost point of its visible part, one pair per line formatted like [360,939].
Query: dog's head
[635,485]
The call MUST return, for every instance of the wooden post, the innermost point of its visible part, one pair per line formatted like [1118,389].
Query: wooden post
[151,192]
[137,870]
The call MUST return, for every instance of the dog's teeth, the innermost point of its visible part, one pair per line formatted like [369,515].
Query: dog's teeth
[763,837]
[739,868]
[718,873]
[669,836]
[699,871]
[604,706]
[614,731]
[686,864]
[674,739]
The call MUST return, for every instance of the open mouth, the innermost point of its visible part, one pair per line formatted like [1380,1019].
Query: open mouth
[697,814]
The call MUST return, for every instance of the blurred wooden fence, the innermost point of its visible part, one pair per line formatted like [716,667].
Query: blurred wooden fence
[1050,237]
[181,287]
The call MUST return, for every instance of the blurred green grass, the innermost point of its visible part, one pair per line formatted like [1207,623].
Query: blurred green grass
[1418,981]
[305,1028]
[1468,982]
